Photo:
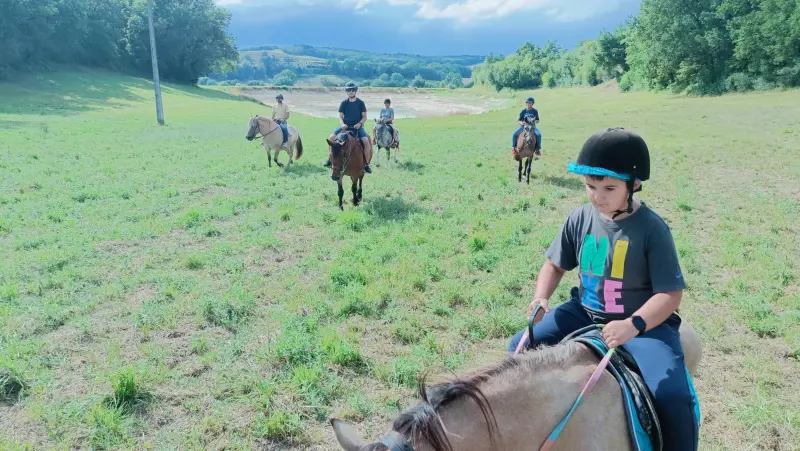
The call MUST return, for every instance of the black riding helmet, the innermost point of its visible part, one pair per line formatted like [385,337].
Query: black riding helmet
[350,86]
[617,153]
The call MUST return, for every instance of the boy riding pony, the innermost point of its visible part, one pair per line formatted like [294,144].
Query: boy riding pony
[528,116]
[630,279]
[280,114]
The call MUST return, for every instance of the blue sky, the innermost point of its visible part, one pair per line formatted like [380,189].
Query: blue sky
[428,27]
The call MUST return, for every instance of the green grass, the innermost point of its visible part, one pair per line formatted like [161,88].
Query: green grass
[162,286]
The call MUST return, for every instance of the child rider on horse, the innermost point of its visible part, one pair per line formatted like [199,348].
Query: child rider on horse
[280,114]
[528,115]
[630,279]
[387,117]
[352,116]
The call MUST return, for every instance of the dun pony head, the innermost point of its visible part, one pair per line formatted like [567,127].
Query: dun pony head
[252,128]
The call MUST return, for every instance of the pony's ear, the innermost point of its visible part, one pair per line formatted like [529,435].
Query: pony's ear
[329,142]
[347,436]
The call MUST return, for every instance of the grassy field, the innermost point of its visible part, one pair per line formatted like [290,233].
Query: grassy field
[160,288]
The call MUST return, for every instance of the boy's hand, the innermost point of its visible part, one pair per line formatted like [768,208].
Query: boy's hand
[617,333]
[539,301]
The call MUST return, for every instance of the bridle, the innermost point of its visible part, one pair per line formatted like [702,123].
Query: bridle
[258,124]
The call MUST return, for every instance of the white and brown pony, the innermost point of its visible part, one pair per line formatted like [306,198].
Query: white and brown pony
[272,138]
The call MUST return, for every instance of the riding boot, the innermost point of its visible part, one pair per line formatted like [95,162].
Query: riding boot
[367,169]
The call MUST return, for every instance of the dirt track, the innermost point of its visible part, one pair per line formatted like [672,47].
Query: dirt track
[407,103]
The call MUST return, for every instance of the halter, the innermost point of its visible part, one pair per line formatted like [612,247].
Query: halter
[396,441]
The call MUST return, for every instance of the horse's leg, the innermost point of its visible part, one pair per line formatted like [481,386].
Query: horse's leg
[341,193]
[290,150]
[278,152]
[360,185]
[269,154]
[519,171]
[388,156]
[528,169]
[354,190]
[378,157]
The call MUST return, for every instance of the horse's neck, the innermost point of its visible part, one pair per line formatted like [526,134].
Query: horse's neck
[529,404]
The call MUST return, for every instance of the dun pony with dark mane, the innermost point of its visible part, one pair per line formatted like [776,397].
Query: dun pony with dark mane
[515,404]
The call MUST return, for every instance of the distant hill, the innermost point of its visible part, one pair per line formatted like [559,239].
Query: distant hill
[325,66]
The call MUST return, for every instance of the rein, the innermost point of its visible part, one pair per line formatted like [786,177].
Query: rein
[536,316]
[269,133]
[397,442]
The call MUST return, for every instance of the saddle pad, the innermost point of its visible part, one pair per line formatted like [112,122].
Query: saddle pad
[643,424]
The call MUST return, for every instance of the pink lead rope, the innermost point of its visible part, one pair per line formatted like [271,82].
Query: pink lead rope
[590,384]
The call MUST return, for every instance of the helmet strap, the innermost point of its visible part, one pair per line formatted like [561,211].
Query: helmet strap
[630,183]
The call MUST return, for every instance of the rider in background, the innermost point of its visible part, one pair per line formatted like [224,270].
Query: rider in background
[280,114]
[387,117]
[352,116]
[630,279]
[528,115]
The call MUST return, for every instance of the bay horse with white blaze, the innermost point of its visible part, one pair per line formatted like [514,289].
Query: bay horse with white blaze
[348,157]
[526,149]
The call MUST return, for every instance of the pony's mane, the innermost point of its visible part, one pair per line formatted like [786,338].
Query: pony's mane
[424,421]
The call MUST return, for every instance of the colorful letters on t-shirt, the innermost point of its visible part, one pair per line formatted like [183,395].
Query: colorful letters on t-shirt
[593,268]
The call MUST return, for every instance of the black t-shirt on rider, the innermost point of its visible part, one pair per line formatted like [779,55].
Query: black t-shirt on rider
[352,111]
[528,115]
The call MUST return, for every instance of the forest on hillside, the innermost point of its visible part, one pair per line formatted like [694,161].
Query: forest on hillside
[285,66]
[698,47]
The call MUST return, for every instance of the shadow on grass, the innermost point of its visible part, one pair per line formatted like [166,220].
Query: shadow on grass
[391,210]
[564,182]
[303,170]
[69,91]
[412,166]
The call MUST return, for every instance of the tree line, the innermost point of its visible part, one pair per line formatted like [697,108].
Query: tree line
[191,36]
[277,66]
[698,47]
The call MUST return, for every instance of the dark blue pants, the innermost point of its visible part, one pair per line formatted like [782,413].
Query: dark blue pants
[285,131]
[659,355]
[536,132]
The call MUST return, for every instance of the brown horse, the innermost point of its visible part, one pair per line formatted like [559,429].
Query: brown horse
[515,404]
[526,149]
[348,157]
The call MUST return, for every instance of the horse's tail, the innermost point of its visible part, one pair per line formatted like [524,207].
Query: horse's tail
[299,152]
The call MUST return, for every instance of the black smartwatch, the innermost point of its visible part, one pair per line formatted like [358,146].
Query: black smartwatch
[639,324]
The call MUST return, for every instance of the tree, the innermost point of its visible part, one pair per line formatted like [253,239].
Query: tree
[680,44]
[611,53]
[285,78]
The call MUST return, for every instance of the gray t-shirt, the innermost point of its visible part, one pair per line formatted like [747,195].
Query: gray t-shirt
[622,264]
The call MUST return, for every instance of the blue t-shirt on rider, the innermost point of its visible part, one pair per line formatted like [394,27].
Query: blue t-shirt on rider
[528,115]
[386,114]
[352,111]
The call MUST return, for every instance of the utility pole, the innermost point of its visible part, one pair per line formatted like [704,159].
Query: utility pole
[156,82]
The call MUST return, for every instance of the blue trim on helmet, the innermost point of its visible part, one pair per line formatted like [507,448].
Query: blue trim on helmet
[600,172]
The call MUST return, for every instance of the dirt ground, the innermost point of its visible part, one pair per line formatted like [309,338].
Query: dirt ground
[407,103]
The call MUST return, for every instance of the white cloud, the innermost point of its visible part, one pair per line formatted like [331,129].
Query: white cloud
[464,11]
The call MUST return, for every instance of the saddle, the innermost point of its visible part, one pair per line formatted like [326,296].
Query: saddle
[643,424]
[343,136]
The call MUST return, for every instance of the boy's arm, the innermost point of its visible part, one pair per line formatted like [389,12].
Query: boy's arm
[659,308]
[546,283]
